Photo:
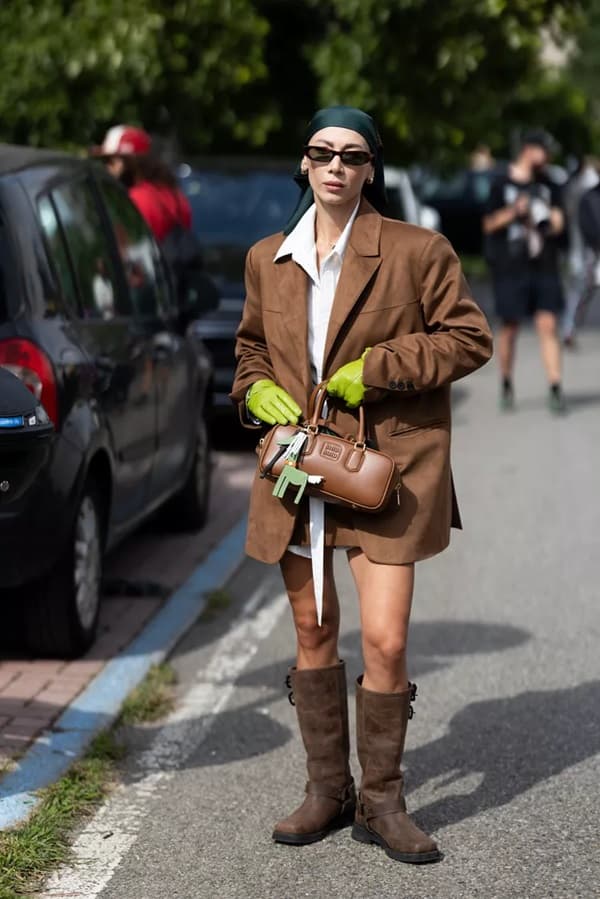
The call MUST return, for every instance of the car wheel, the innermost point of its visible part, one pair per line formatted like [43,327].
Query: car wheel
[187,510]
[61,614]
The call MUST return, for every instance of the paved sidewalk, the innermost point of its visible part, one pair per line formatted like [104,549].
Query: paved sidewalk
[34,692]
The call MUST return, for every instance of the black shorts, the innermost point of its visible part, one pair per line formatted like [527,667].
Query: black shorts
[519,295]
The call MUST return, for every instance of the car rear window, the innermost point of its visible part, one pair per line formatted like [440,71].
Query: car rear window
[239,208]
[80,249]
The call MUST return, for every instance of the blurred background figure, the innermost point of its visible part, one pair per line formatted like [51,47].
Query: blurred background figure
[481,159]
[152,186]
[589,223]
[523,223]
[581,267]
[128,155]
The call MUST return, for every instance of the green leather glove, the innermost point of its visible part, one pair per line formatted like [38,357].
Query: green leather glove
[271,404]
[347,383]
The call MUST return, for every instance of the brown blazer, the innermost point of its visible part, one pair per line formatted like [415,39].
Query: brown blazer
[402,292]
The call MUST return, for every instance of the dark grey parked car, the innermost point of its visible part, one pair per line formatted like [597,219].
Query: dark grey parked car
[235,203]
[89,323]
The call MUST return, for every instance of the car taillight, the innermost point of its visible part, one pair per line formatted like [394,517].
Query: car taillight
[29,363]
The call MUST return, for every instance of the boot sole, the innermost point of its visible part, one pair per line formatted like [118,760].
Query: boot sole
[362,835]
[345,819]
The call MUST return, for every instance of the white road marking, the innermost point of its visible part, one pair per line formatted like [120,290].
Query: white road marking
[105,841]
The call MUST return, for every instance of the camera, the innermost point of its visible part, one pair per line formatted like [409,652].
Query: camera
[539,212]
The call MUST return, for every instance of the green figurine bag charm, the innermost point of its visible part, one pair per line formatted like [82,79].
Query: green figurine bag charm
[291,475]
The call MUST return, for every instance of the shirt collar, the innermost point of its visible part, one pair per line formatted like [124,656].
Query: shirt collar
[300,243]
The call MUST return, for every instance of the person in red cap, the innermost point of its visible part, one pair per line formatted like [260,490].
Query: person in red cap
[127,153]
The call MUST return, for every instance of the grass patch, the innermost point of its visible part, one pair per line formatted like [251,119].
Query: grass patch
[216,601]
[152,699]
[29,853]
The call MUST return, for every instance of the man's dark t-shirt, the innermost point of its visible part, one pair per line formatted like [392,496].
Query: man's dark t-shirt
[510,250]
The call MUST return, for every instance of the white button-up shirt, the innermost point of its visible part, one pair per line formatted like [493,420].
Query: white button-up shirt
[300,244]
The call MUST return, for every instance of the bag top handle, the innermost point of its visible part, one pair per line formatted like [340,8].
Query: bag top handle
[315,412]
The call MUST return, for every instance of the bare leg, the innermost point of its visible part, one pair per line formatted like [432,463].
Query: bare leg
[319,692]
[507,340]
[385,595]
[383,710]
[547,328]
[317,646]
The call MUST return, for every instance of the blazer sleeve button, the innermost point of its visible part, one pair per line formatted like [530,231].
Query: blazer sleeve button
[401,385]
[392,385]
[410,385]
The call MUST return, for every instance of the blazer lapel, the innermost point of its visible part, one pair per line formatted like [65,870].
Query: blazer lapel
[292,292]
[361,261]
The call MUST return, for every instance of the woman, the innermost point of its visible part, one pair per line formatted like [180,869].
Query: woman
[381,310]
[127,154]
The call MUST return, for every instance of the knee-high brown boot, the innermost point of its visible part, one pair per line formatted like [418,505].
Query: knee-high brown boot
[381,721]
[321,701]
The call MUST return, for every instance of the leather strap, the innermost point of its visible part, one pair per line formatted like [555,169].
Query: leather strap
[385,808]
[315,396]
[315,413]
[267,470]
[327,791]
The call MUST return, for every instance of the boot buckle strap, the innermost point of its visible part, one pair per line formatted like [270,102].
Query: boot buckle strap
[379,811]
[411,698]
[340,794]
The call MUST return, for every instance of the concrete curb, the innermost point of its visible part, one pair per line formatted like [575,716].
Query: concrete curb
[99,704]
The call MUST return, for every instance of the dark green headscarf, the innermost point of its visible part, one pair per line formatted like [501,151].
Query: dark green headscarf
[355,120]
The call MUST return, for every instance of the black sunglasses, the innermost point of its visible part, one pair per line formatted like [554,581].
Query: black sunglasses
[347,157]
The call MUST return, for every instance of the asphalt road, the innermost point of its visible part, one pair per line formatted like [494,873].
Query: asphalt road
[503,755]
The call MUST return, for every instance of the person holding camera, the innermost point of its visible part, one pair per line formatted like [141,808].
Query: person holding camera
[523,225]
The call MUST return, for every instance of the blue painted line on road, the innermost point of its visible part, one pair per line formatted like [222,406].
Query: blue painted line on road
[99,704]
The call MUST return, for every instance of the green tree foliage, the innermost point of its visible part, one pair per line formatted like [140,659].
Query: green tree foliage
[439,76]
[585,62]
[72,67]
[222,75]
[583,73]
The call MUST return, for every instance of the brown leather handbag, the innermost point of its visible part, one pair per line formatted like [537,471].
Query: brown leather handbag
[350,472]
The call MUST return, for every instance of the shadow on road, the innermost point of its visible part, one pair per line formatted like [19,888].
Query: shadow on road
[433,645]
[512,744]
[575,401]
[250,730]
[240,734]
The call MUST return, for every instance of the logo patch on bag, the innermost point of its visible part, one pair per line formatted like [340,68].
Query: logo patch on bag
[331,451]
